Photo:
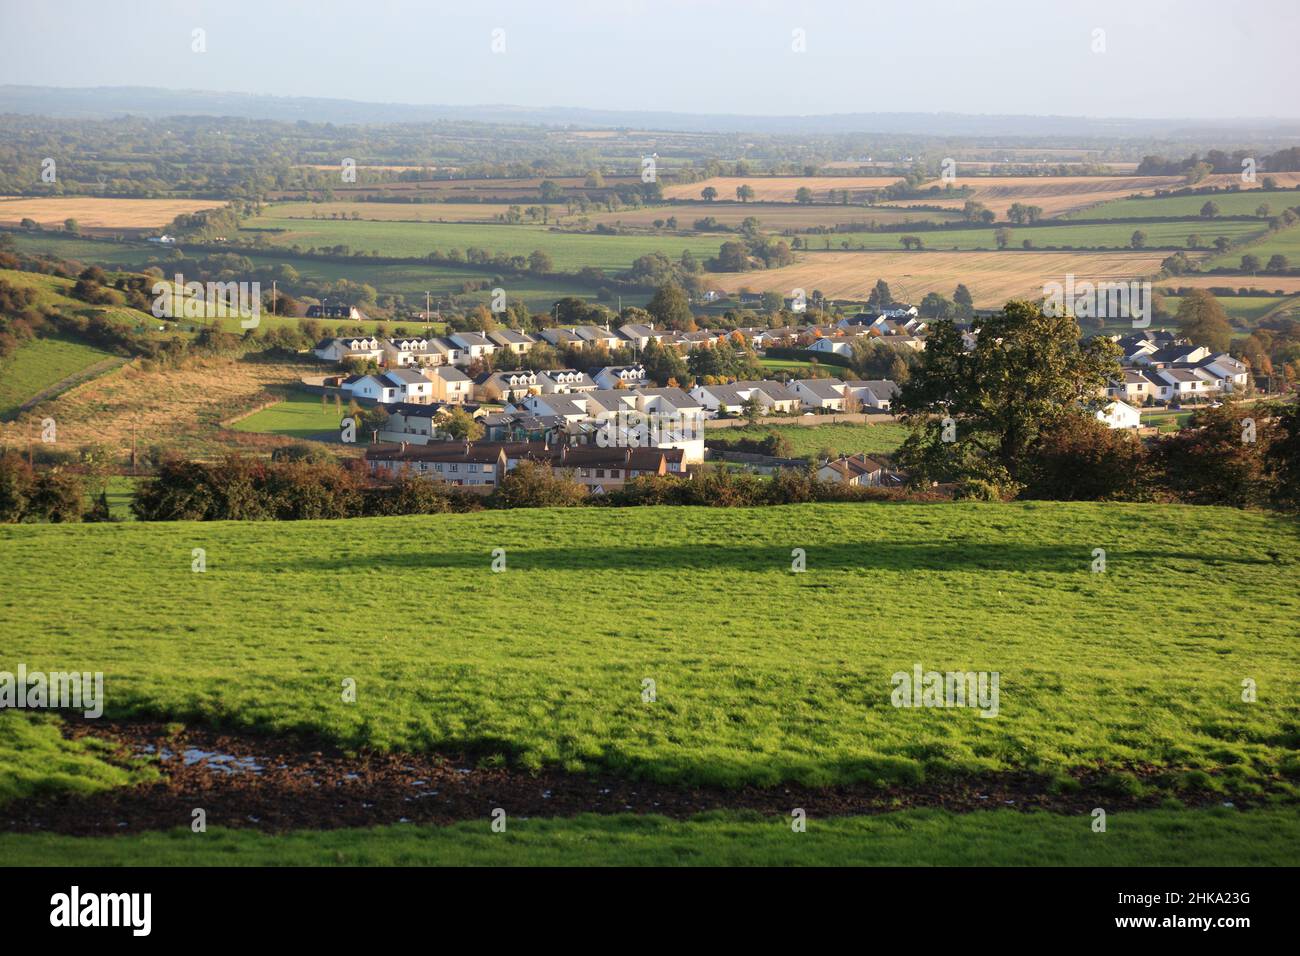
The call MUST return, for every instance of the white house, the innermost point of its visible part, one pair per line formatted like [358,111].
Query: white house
[338,349]
[1117,414]
[628,375]
[472,345]
[858,470]
[832,346]
[820,394]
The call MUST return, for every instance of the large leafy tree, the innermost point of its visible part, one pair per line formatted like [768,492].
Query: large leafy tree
[1025,372]
[1202,321]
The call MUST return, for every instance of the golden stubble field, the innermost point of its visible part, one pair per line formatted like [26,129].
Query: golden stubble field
[98,212]
[778,188]
[992,277]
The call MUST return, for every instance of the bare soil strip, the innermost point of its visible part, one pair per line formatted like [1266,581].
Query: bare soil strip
[278,783]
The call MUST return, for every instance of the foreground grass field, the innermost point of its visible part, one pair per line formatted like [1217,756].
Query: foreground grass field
[761,675]
[1220,837]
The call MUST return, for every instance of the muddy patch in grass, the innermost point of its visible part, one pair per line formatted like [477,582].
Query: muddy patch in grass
[280,783]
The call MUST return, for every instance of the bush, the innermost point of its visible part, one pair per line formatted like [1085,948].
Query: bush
[533,485]
[1080,459]
[26,496]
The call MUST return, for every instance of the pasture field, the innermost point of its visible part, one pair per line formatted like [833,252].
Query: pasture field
[779,188]
[774,216]
[1243,310]
[1168,837]
[992,277]
[99,212]
[40,363]
[473,190]
[570,251]
[1242,203]
[763,676]
[844,438]
[1261,284]
[1285,242]
[1056,195]
[1101,236]
[299,416]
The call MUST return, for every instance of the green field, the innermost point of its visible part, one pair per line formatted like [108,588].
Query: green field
[1242,310]
[1221,837]
[1242,203]
[1064,235]
[570,251]
[300,416]
[762,675]
[808,440]
[39,363]
[412,280]
[1284,241]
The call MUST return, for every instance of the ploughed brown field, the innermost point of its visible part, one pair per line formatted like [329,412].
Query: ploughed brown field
[774,217]
[992,277]
[99,212]
[778,188]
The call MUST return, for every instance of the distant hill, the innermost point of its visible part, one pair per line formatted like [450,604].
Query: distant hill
[107,102]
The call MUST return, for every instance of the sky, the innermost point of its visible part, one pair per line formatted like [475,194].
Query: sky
[1133,58]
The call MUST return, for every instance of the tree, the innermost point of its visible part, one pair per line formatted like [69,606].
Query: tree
[935,306]
[1194,241]
[773,301]
[1210,464]
[671,308]
[880,297]
[1222,244]
[1079,458]
[709,193]
[1026,373]
[1210,209]
[1138,240]
[1250,263]
[1002,236]
[1278,263]
[460,424]
[963,304]
[540,262]
[70,225]
[803,195]
[752,409]
[744,192]
[1203,322]
[1282,458]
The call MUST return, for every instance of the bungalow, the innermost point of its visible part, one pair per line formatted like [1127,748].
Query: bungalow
[820,394]
[876,394]
[835,346]
[612,376]
[1133,385]
[731,399]
[412,423]
[512,340]
[1180,384]
[1232,375]
[1117,414]
[449,384]
[593,335]
[374,388]
[857,470]
[473,346]
[639,335]
[335,310]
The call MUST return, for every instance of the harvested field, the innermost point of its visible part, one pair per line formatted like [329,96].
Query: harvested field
[1056,195]
[99,212]
[472,189]
[1282,285]
[992,277]
[774,217]
[779,188]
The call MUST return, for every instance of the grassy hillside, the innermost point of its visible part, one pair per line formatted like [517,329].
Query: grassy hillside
[1242,203]
[843,437]
[762,675]
[39,363]
[1054,235]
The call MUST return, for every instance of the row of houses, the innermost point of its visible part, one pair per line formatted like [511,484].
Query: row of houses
[1159,367]
[480,466]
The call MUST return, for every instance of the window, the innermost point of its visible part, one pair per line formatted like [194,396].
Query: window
[454,468]
[600,472]
[473,467]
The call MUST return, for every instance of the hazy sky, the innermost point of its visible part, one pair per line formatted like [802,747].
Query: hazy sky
[1168,58]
